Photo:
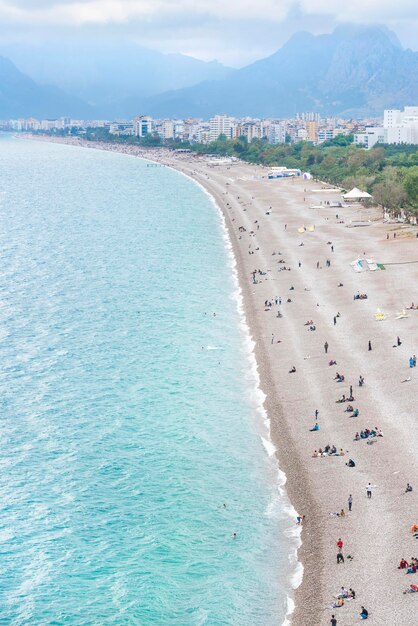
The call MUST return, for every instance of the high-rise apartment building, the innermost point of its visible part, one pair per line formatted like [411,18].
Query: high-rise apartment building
[312,131]
[220,125]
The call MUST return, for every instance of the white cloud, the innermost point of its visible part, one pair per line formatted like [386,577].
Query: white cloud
[108,11]
[361,11]
[235,31]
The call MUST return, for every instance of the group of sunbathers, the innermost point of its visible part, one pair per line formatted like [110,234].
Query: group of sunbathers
[351,409]
[411,568]
[339,378]
[367,433]
[344,399]
[328,451]
[360,296]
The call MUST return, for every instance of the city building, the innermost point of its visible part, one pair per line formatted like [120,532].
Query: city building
[142,126]
[221,125]
[399,127]
[276,133]
[311,128]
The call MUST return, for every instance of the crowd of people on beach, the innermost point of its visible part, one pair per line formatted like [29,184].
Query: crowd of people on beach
[279,305]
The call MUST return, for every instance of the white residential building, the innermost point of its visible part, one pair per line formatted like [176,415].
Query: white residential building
[371,136]
[277,133]
[221,125]
[399,127]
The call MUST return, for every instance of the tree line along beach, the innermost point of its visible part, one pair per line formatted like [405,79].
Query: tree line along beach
[338,373]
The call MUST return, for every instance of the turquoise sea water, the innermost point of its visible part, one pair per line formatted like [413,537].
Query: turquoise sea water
[128,411]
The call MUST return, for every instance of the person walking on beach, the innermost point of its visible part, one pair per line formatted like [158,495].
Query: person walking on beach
[317,265]
[369,491]
[370,345]
[316,414]
[350,502]
[326,347]
[340,557]
[335,320]
[333,621]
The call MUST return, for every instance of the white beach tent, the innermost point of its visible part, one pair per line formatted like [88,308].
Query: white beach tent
[356,194]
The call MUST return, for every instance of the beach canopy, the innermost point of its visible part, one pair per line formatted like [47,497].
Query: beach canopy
[356,194]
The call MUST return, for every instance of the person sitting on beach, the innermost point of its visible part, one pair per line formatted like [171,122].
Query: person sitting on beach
[314,428]
[351,593]
[341,513]
[293,370]
[403,564]
[333,450]
[315,454]
[357,437]
[364,613]
[361,381]
[342,399]
[411,589]
[341,453]
[312,327]
[320,452]
[288,300]
[411,569]
[350,463]
[355,413]
[327,448]
[309,322]
[332,363]
[408,488]
[349,409]
[340,285]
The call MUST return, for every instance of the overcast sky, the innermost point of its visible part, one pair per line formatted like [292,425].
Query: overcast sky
[232,31]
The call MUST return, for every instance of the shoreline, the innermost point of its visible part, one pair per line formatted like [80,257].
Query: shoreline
[296,576]
[316,486]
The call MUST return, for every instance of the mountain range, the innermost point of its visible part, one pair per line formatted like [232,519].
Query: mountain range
[353,71]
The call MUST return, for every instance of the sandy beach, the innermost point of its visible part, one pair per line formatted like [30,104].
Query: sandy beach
[263,219]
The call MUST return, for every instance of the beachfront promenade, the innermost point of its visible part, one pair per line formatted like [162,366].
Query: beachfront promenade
[318,286]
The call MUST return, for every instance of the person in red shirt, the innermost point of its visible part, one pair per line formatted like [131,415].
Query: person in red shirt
[340,544]
[403,564]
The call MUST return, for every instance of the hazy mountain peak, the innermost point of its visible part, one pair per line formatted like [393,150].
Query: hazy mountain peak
[355,70]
